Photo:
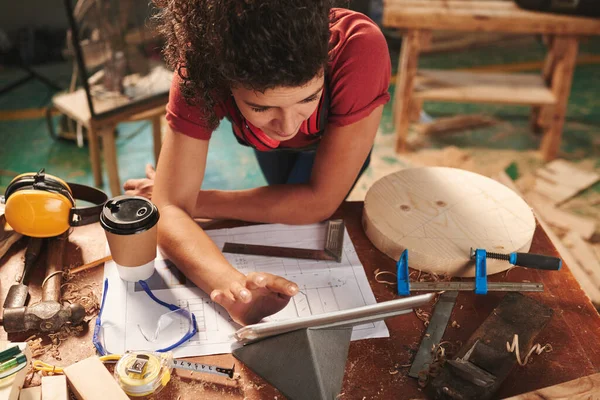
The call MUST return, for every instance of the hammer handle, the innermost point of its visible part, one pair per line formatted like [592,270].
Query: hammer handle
[34,248]
[53,281]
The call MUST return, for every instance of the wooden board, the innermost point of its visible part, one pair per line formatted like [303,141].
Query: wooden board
[560,180]
[590,289]
[482,16]
[561,219]
[584,254]
[32,393]
[54,388]
[439,213]
[488,87]
[586,388]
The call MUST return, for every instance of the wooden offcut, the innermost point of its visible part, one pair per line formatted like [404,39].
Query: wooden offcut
[32,393]
[590,289]
[90,380]
[438,214]
[55,388]
[560,180]
[561,219]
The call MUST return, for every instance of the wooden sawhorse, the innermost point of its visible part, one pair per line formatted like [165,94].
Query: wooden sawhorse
[548,94]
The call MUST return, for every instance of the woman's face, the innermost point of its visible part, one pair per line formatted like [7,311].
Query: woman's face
[279,112]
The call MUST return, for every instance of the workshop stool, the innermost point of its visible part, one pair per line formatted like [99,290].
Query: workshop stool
[74,105]
[548,94]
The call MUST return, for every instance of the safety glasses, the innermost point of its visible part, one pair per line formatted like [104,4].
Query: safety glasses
[166,333]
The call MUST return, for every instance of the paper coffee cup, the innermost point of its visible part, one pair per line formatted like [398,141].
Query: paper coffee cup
[130,224]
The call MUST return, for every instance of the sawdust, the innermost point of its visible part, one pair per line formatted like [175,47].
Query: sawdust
[49,343]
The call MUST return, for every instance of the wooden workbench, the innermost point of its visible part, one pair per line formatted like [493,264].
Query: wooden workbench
[376,368]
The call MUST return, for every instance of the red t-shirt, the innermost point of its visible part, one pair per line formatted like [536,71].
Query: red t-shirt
[357,80]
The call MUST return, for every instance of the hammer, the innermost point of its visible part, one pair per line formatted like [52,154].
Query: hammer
[49,314]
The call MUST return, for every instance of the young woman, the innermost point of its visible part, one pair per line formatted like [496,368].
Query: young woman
[302,83]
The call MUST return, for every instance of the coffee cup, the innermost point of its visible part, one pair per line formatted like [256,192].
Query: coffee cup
[130,225]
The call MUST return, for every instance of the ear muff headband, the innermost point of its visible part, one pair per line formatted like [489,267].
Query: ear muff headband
[41,205]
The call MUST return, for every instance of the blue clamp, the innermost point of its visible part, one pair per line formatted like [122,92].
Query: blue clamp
[402,274]
[481,286]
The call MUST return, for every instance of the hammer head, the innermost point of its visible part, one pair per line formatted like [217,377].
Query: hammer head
[46,316]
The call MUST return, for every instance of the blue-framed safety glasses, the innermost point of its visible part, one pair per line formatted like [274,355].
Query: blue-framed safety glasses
[171,330]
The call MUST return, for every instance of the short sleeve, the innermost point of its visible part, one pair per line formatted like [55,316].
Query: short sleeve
[360,70]
[185,118]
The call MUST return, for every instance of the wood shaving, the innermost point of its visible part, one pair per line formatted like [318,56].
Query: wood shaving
[537,349]
[423,316]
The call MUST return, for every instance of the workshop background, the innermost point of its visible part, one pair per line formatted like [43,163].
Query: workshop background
[487,139]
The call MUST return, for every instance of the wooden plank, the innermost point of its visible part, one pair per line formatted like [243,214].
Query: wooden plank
[442,85]
[560,180]
[591,290]
[584,254]
[90,380]
[586,388]
[409,57]
[32,393]
[477,17]
[54,388]
[562,75]
[585,227]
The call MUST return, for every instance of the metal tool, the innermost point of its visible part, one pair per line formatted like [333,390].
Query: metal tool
[480,285]
[305,358]
[49,314]
[147,373]
[205,368]
[435,331]
[19,292]
[483,363]
[334,244]
[527,260]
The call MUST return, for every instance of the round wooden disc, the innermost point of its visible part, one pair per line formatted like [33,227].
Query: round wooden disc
[439,213]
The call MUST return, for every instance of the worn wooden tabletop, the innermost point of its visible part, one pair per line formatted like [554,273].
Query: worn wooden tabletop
[376,368]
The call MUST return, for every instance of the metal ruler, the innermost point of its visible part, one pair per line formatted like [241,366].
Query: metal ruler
[491,286]
[435,331]
[206,368]
[334,244]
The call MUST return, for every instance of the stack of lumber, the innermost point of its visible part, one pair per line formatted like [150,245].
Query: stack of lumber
[574,235]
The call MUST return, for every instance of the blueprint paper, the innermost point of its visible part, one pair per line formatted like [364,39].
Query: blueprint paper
[325,286]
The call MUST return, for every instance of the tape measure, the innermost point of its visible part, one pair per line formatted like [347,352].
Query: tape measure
[143,373]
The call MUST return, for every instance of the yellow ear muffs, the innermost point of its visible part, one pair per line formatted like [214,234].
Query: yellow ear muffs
[41,205]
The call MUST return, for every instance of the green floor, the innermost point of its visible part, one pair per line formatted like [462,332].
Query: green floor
[26,145]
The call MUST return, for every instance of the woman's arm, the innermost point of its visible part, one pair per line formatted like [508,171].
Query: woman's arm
[338,161]
[178,179]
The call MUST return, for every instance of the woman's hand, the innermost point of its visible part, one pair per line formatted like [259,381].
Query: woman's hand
[262,294]
[141,187]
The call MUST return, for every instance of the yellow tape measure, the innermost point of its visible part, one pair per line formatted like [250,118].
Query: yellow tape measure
[143,373]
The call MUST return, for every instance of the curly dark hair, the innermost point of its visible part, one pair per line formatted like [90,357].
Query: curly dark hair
[256,44]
